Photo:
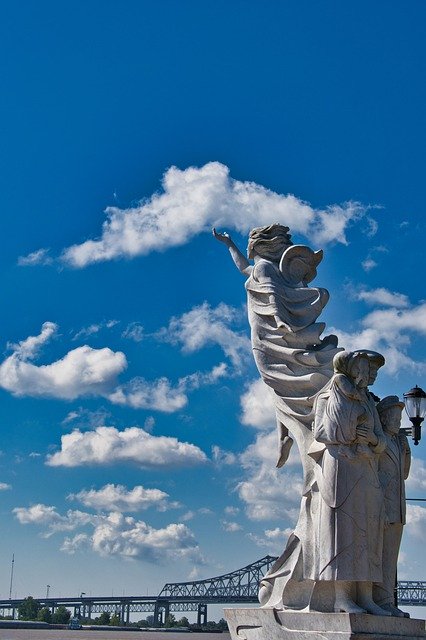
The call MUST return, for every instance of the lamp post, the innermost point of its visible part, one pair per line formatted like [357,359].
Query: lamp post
[47,590]
[415,406]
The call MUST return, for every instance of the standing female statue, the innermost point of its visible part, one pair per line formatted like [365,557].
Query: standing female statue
[350,519]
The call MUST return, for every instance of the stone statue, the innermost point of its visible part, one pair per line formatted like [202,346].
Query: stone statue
[350,519]
[296,362]
[394,467]
[334,560]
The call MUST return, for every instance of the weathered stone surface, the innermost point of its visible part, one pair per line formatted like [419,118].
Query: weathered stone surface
[269,624]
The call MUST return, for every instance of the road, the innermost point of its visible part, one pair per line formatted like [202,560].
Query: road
[83,634]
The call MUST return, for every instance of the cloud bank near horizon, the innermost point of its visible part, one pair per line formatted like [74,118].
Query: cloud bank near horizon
[192,201]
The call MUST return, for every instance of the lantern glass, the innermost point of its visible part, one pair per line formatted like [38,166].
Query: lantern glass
[415,403]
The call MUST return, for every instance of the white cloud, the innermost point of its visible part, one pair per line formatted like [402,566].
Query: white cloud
[123,536]
[231,527]
[416,481]
[272,539]
[196,199]
[258,407]
[269,493]
[231,511]
[30,347]
[113,497]
[48,517]
[382,296]
[108,445]
[203,326]
[389,332]
[4,486]
[222,457]
[160,394]
[190,515]
[134,331]
[186,517]
[36,257]
[368,264]
[115,535]
[416,521]
[85,332]
[81,372]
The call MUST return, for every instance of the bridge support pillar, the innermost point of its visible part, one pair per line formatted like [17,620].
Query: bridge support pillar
[128,613]
[202,614]
[161,611]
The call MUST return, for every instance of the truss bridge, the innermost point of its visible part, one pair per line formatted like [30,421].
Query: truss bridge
[240,586]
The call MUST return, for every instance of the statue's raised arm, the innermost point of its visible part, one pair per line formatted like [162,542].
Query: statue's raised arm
[239,259]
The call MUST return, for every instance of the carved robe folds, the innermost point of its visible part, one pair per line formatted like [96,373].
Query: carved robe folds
[350,522]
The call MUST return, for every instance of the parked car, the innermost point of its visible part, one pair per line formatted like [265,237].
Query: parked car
[74,623]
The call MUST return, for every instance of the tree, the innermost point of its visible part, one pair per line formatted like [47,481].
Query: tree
[104,618]
[28,609]
[183,622]
[45,615]
[170,621]
[61,615]
[115,620]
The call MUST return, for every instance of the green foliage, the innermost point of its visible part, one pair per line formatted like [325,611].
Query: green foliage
[170,621]
[115,620]
[44,615]
[104,618]
[28,609]
[183,622]
[61,615]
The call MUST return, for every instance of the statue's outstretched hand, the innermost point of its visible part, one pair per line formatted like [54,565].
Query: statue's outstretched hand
[223,237]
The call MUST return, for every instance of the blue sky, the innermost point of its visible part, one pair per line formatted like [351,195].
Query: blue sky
[138,446]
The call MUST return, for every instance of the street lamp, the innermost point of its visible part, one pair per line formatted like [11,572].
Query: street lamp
[415,406]
[47,590]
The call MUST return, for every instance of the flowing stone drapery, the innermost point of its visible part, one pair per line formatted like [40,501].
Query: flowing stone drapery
[296,363]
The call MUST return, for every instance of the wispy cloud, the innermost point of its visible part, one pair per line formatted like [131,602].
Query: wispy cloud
[389,331]
[368,264]
[36,257]
[382,297]
[92,329]
[134,331]
[195,199]
[203,326]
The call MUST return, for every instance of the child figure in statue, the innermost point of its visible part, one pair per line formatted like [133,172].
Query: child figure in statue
[351,516]
[394,467]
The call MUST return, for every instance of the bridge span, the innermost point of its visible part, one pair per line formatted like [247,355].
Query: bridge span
[238,587]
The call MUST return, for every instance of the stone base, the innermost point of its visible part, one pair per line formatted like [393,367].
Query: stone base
[269,624]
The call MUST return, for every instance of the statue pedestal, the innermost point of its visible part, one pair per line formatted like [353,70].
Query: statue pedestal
[268,624]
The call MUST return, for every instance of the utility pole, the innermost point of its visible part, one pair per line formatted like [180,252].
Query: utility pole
[47,590]
[11,576]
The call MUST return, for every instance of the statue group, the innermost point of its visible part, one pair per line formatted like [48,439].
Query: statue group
[342,555]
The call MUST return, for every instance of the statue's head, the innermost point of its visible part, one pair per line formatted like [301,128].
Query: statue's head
[299,263]
[389,410]
[376,360]
[354,365]
[269,242]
